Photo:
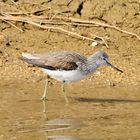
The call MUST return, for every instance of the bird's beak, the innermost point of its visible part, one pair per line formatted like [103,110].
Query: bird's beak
[113,66]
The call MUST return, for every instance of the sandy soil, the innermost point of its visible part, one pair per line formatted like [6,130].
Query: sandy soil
[107,102]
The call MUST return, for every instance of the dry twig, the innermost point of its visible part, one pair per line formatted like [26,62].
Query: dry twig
[105,25]
[61,30]
[102,40]
[74,21]
[14,2]
[39,20]
[13,25]
[52,28]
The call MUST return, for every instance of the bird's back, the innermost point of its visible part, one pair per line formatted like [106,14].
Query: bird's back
[62,60]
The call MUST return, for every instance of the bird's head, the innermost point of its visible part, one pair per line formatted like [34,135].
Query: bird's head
[101,58]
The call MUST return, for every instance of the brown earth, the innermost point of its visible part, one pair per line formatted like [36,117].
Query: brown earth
[107,102]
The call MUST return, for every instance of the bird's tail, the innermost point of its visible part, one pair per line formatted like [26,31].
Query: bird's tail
[29,58]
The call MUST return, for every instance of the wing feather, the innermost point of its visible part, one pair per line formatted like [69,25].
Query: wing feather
[57,60]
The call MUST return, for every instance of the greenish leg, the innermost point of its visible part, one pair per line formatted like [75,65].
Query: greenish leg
[63,91]
[44,97]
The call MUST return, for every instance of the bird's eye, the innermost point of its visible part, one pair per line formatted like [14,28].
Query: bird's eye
[104,59]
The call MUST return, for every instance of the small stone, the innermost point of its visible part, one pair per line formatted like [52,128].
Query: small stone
[94,44]
[98,73]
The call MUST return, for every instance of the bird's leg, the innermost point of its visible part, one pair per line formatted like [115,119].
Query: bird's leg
[63,91]
[44,97]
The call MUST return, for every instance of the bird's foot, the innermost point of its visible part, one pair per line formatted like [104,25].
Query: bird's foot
[44,98]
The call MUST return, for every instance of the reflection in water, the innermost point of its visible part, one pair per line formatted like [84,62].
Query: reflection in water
[68,123]
[44,106]
[58,124]
[55,125]
[62,137]
[45,109]
[61,124]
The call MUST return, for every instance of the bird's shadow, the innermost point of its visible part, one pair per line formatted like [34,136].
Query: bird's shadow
[100,100]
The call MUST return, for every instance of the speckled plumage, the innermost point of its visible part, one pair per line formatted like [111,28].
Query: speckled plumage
[56,60]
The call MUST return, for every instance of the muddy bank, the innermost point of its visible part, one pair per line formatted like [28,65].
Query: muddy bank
[124,49]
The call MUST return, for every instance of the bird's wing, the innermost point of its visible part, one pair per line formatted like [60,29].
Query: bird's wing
[56,60]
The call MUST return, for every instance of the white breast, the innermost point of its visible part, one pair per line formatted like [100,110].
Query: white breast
[67,76]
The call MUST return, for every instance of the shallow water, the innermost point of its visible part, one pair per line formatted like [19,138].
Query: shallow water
[92,114]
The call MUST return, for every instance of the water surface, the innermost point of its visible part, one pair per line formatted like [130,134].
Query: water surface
[93,113]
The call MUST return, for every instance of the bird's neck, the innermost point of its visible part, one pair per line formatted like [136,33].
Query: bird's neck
[92,64]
